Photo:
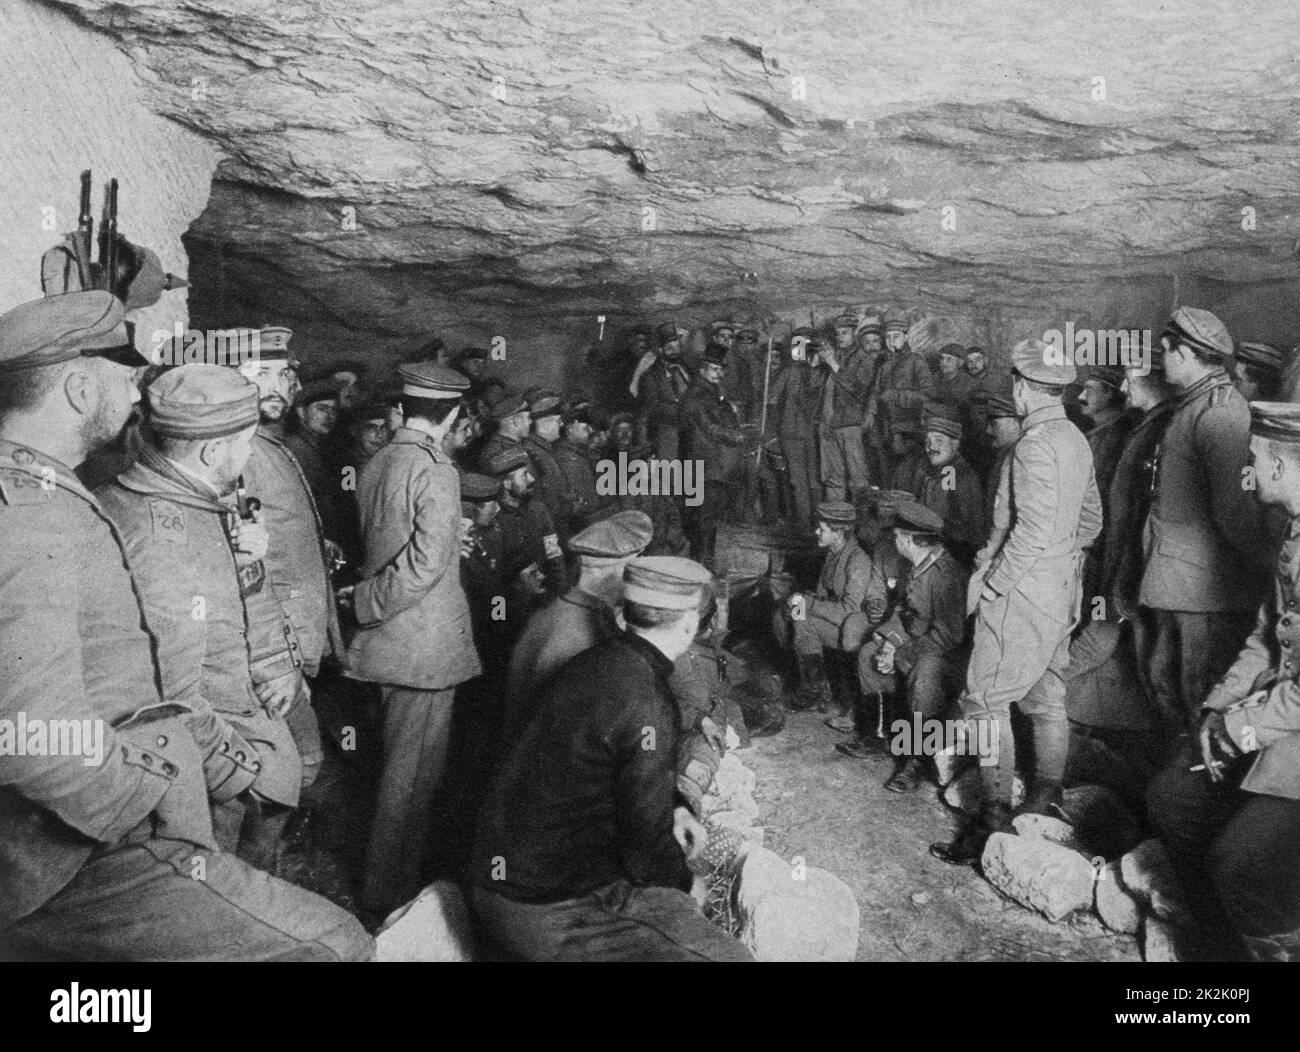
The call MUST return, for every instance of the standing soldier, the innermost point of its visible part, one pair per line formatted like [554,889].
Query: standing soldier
[904,381]
[1258,369]
[573,455]
[530,548]
[1102,402]
[662,388]
[921,648]
[953,384]
[298,561]
[1232,829]
[949,487]
[846,392]
[316,416]
[1205,574]
[850,583]
[415,637]
[1029,598]
[513,421]
[744,380]
[713,436]
[876,438]
[795,402]
[202,585]
[98,860]
[1003,432]
[553,487]
[984,382]
[480,563]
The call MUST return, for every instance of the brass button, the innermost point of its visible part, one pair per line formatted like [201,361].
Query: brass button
[225,747]
[241,757]
[24,457]
[162,741]
[148,759]
[170,770]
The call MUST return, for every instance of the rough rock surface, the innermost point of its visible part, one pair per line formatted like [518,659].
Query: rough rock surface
[1118,909]
[1039,874]
[794,912]
[1158,943]
[1045,827]
[1146,872]
[391,167]
[434,926]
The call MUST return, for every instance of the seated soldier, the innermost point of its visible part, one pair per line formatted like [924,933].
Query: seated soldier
[850,582]
[582,847]
[920,649]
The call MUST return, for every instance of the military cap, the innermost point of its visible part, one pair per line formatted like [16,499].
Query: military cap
[544,403]
[806,331]
[715,354]
[579,414]
[1111,376]
[1262,356]
[836,513]
[667,333]
[953,350]
[871,323]
[847,320]
[325,389]
[510,405]
[428,379]
[917,518]
[367,411]
[895,322]
[619,536]
[906,421]
[666,582]
[59,328]
[937,416]
[1278,421]
[622,417]
[747,335]
[975,350]
[885,498]
[995,405]
[723,323]
[509,459]
[201,401]
[1039,361]
[1201,330]
[479,488]
[471,353]
[273,344]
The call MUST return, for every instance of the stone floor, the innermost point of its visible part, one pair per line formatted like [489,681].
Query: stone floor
[833,810]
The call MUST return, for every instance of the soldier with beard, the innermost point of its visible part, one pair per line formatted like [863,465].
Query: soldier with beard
[903,382]
[845,396]
[573,456]
[949,487]
[98,860]
[662,389]
[530,549]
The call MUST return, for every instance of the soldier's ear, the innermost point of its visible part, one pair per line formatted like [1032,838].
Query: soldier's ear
[80,388]
[211,452]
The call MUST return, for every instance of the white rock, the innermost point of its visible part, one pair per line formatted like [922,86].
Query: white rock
[434,926]
[1158,940]
[1044,827]
[733,778]
[1039,874]
[794,912]
[1118,909]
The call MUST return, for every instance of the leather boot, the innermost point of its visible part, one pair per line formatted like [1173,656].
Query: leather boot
[907,778]
[814,688]
[1044,798]
[968,847]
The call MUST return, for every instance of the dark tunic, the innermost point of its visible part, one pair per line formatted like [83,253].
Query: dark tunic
[586,796]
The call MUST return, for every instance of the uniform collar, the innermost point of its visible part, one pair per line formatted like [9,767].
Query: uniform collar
[1055,411]
[152,474]
[928,561]
[578,597]
[33,462]
[409,436]
[657,659]
[1205,383]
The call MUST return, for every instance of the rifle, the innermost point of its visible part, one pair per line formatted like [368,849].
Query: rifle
[84,237]
[108,240]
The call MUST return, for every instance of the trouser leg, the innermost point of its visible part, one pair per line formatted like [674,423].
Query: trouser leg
[1045,707]
[146,899]
[417,732]
[615,923]
[803,475]
[834,470]
[1255,867]
[854,455]
[305,729]
[1208,645]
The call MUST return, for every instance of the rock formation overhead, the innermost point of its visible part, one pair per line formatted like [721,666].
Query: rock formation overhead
[392,168]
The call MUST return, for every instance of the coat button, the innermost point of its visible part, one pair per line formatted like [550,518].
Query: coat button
[147,758]
[1285,644]
[240,757]
[162,741]
[1285,621]
[225,747]
[170,770]
[257,765]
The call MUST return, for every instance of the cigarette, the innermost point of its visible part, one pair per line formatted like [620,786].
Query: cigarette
[1201,766]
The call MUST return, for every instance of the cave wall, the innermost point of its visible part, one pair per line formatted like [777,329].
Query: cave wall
[70,100]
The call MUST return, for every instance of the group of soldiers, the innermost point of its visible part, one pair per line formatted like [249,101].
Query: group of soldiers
[190,550]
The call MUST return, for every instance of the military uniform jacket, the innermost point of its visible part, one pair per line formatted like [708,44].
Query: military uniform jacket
[73,646]
[930,617]
[580,473]
[1208,549]
[586,795]
[190,589]
[662,389]
[528,536]
[904,382]
[847,391]
[958,497]
[955,391]
[296,562]
[557,632]
[795,397]
[325,483]
[1260,694]
[850,581]
[414,619]
[1056,512]
[713,433]
[552,486]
